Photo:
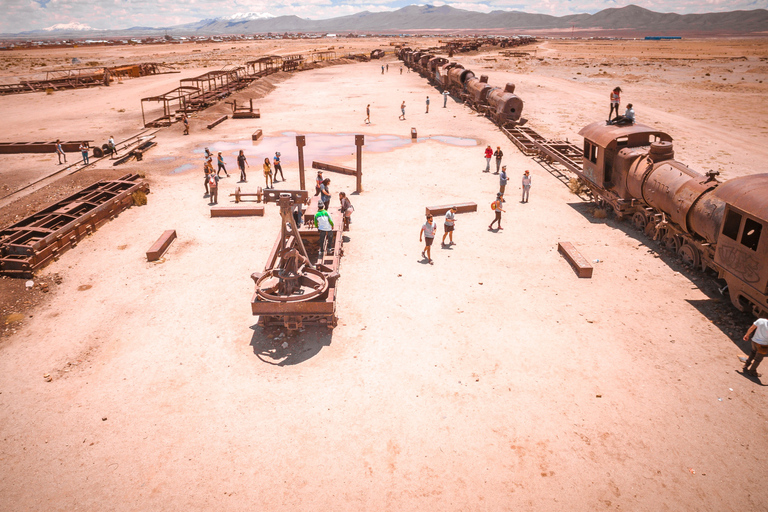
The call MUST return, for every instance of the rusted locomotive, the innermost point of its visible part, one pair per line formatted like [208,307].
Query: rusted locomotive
[501,105]
[711,224]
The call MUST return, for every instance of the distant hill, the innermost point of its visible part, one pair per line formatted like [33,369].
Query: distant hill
[446,18]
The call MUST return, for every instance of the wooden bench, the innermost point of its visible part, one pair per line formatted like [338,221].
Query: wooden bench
[218,121]
[256,135]
[574,257]
[334,168]
[237,211]
[460,208]
[158,248]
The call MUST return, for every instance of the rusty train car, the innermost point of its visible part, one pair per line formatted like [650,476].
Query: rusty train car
[500,104]
[722,226]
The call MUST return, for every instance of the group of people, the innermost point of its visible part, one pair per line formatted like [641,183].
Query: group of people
[84,149]
[498,205]
[270,173]
[323,220]
[620,120]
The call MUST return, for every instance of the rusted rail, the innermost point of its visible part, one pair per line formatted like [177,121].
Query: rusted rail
[460,208]
[158,248]
[69,146]
[580,264]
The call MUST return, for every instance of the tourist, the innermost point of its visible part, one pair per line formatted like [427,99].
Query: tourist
[268,173]
[615,100]
[627,119]
[242,162]
[759,345]
[382,69]
[112,147]
[526,185]
[498,154]
[84,152]
[503,179]
[427,112]
[488,156]
[325,192]
[324,225]
[220,161]
[450,222]
[428,231]
[60,151]
[368,114]
[445,99]
[278,167]
[213,184]
[496,206]
[318,182]
[185,120]
[402,111]
[346,209]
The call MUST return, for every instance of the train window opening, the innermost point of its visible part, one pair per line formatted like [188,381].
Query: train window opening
[751,236]
[590,151]
[732,224]
[622,142]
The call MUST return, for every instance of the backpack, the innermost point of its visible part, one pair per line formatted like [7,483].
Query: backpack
[212,180]
[493,205]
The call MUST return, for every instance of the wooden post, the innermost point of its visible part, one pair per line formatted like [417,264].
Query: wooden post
[359,141]
[300,143]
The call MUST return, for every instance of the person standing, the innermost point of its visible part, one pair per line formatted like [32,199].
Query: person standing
[615,100]
[488,156]
[213,184]
[220,162]
[84,152]
[318,182]
[324,225]
[382,69]
[60,151]
[450,222]
[268,173]
[112,147]
[496,205]
[428,231]
[445,99]
[346,209]
[325,192]
[526,185]
[241,163]
[401,70]
[368,114]
[498,154]
[759,345]
[278,167]
[427,112]
[503,179]
[207,169]
[402,111]
[185,120]
[387,68]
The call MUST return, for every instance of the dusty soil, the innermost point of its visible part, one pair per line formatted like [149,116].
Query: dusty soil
[494,379]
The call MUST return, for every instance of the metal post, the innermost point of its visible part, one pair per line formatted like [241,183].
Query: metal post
[359,141]
[300,143]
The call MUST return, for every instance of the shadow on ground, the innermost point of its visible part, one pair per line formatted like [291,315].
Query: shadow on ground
[281,347]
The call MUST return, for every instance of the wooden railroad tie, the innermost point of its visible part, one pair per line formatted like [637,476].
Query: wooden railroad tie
[158,248]
[218,121]
[334,168]
[237,211]
[460,208]
[574,257]
[256,135]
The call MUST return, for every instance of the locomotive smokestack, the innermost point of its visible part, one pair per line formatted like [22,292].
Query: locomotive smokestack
[483,79]
[510,88]
[661,150]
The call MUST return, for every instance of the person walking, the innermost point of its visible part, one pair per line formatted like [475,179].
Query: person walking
[759,332]
[112,147]
[450,222]
[267,173]
[207,169]
[324,225]
[241,163]
[60,151]
[428,231]
[84,152]
[278,167]
[387,68]
[401,70]
[222,167]
[382,69]
[488,156]
[498,154]
[445,99]
[503,180]
[427,112]
[615,100]
[526,186]
[185,120]
[325,192]
[346,209]
[213,184]
[318,182]
[368,114]
[402,111]
[497,208]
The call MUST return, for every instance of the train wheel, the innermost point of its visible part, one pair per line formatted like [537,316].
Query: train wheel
[670,242]
[689,254]
[639,221]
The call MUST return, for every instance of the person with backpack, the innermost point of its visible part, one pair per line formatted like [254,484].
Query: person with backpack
[428,231]
[496,207]
[213,184]
[324,225]
[278,167]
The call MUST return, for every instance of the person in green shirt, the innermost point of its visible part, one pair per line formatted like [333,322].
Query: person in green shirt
[324,225]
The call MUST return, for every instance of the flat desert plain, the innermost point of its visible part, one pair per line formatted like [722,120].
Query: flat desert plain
[494,379]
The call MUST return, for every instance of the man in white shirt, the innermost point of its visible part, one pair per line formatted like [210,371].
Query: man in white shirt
[759,346]
[450,222]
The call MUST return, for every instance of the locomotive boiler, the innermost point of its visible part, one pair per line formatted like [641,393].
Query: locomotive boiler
[711,224]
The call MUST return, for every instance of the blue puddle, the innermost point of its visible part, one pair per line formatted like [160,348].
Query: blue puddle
[182,168]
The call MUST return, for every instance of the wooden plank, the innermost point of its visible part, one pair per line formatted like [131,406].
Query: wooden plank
[218,121]
[158,248]
[246,114]
[256,135]
[334,168]
[574,257]
[460,208]
[237,211]
[259,307]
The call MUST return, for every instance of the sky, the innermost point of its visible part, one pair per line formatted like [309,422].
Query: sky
[23,15]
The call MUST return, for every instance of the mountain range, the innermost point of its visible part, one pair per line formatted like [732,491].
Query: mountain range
[446,18]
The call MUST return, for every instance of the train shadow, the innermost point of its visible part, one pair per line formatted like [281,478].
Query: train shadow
[281,347]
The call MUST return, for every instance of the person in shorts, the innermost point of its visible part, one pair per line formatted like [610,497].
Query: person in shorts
[497,209]
[267,173]
[428,231]
[450,221]
[759,332]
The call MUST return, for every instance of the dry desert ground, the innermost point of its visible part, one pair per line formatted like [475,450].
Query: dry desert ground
[494,379]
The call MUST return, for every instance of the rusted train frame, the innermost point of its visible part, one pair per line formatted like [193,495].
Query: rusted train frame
[34,241]
[180,96]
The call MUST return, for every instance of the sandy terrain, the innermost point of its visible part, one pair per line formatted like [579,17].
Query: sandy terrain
[493,380]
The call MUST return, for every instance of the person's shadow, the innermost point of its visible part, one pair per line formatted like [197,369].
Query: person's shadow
[281,347]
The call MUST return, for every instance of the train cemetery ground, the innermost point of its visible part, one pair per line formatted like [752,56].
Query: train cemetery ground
[494,379]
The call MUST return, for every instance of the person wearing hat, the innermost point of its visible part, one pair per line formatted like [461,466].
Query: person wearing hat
[526,186]
[615,100]
[278,167]
[450,221]
[503,179]
[488,155]
[324,225]
[318,182]
[496,205]
[498,154]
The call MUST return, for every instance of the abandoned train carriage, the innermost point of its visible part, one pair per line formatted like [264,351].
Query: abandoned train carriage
[721,226]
